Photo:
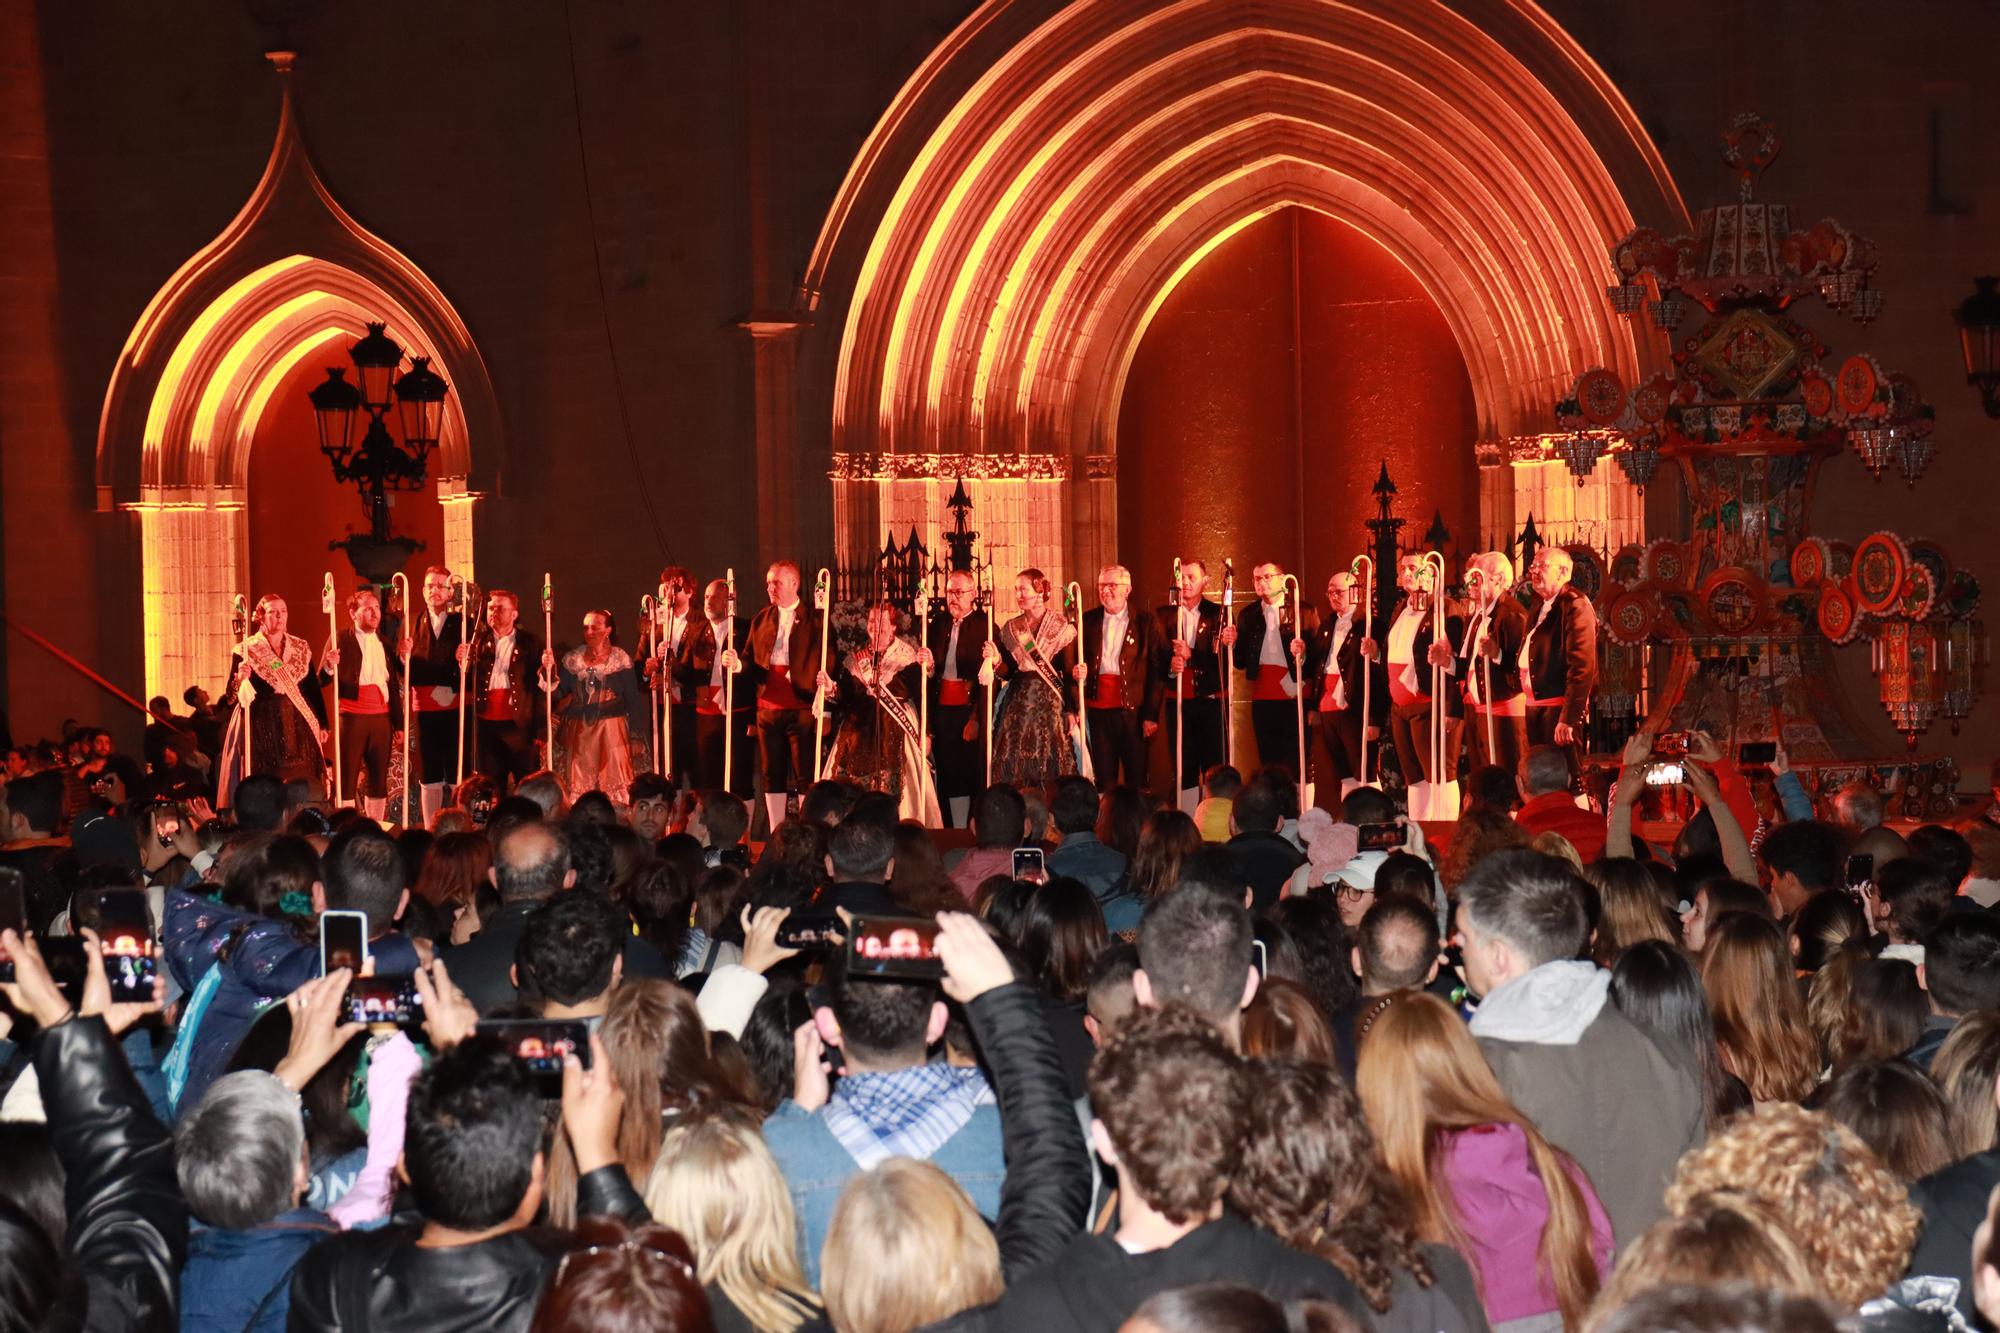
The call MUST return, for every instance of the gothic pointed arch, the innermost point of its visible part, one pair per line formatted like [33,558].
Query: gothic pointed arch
[293,275]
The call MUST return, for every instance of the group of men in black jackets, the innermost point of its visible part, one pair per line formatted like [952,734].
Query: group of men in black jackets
[1518,669]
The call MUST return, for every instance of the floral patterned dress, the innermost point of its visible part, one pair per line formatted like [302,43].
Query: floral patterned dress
[1031,740]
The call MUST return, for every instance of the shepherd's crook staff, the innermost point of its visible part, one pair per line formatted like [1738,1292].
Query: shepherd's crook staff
[1073,603]
[1435,560]
[1228,669]
[924,673]
[1476,578]
[548,681]
[823,603]
[649,609]
[464,661]
[1298,665]
[399,592]
[333,641]
[1180,678]
[729,691]
[1367,664]
[991,668]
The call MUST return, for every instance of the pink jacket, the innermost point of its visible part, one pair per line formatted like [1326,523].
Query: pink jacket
[1502,1210]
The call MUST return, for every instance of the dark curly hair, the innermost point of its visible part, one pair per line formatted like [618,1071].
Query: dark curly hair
[1310,1175]
[1174,1099]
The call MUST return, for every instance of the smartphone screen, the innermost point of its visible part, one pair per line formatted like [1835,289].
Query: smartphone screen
[1757,752]
[1665,775]
[1378,837]
[13,913]
[895,947]
[125,930]
[538,1046]
[385,1002]
[1860,870]
[1030,863]
[343,941]
[808,929]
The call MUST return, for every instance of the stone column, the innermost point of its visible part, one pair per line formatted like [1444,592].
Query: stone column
[793,507]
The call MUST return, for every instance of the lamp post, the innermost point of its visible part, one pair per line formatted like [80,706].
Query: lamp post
[376,464]
[1978,320]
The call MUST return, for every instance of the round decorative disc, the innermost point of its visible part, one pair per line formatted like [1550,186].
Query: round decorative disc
[1666,563]
[1818,393]
[1918,595]
[1734,600]
[1629,618]
[1649,400]
[1629,565]
[1932,557]
[1837,618]
[1600,396]
[1587,570]
[1880,564]
[1855,385]
[1811,562]
[1961,594]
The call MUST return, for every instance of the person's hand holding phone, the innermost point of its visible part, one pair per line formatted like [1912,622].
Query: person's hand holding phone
[118,1014]
[761,950]
[592,1104]
[449,1017]
[33,992]
[812,1081]
[1703,749]
[317,1030]
[973,963]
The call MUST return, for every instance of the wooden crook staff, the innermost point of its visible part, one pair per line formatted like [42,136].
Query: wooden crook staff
[823,603]
[1298,666]
[399,592]
[1367,665]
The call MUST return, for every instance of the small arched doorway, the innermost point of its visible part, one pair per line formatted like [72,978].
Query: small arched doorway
[207,408]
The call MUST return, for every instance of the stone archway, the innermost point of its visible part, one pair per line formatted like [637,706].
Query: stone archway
[1050,173]
[292,276]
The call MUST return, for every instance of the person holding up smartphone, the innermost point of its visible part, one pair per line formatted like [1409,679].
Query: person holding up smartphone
[119,1265]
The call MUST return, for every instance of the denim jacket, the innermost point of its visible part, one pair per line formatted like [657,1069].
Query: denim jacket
[816,1168]
[232,1275]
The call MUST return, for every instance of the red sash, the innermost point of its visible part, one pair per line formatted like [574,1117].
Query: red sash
[371,703]
[427,704]
[1326,700]
[1271,683]
[493,707]
[954,693]
[1110,692]
[708,700]
[1400,693]
[778,691]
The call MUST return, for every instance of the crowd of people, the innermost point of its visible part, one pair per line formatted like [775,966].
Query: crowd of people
[607,1064]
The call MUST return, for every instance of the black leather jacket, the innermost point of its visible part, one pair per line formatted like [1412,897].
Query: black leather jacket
[127,1221]
[378,1281]
[1045,1200]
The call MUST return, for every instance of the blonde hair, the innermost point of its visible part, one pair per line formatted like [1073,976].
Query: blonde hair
[1723,1237]
[1966,1069]
[1551,843]
[1421,1078]
[717,1184]
[905,1249]
[1852,1217]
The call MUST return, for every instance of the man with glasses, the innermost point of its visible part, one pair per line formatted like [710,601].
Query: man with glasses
[951,656]
[1558,662]
[1119,662]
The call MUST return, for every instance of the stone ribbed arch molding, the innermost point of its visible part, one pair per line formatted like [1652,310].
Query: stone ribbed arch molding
[293,276]
[1042,182]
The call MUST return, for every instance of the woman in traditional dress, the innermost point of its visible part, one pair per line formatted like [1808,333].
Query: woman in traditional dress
[878,744]
[597,692]
[286,731]
[1033,653]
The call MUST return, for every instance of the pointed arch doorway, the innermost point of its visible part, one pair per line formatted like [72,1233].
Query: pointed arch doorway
[205,414]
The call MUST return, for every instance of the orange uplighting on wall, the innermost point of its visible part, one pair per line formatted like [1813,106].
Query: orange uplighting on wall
[1050,173]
